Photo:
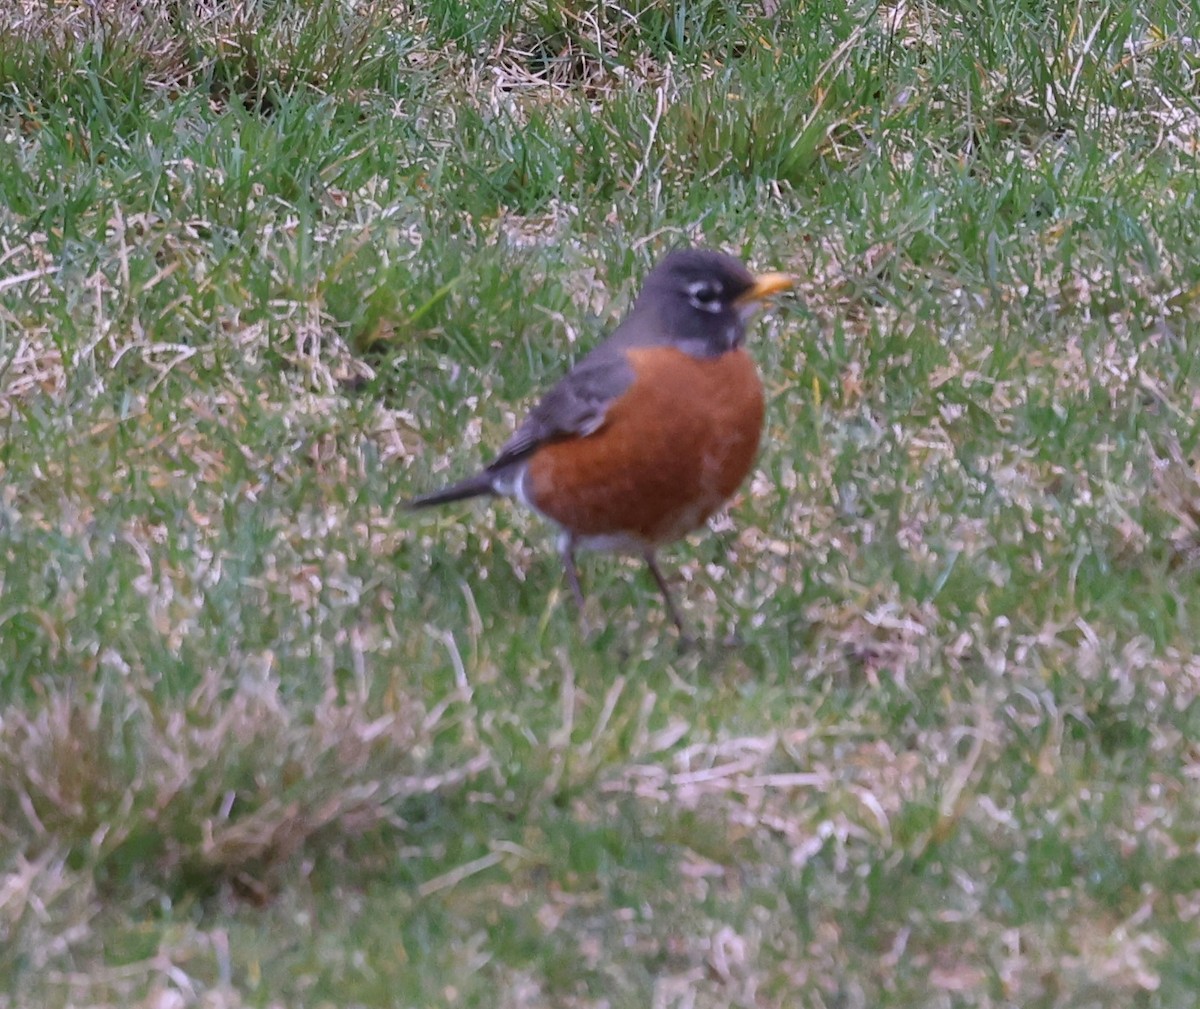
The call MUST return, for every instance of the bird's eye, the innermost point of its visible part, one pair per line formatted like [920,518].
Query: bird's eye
[705,295]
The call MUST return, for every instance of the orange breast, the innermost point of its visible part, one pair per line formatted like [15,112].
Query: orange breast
[672,450]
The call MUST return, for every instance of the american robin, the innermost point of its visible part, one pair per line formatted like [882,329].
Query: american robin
[652,431]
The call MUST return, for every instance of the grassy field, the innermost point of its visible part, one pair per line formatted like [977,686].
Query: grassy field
[269,268]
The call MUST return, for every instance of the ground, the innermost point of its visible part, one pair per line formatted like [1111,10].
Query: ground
[267,739]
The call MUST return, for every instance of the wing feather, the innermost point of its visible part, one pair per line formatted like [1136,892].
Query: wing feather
[576,407]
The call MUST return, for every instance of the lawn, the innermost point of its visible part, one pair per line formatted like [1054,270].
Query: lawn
[268,268]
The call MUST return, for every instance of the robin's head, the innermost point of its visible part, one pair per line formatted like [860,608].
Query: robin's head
[699,300]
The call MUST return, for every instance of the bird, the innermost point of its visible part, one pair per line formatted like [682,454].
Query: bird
[652,431]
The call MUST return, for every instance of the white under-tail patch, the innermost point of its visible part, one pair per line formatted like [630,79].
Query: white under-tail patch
[512,483]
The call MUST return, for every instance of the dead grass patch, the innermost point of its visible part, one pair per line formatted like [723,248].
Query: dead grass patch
[227,783]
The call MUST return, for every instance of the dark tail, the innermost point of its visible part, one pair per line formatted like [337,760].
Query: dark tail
[472,486]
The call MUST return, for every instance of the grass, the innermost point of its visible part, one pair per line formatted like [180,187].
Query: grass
[267,269]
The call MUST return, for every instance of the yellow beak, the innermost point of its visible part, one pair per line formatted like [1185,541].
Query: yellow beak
[765,285]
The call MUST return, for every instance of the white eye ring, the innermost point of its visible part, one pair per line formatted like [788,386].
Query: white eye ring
[705,295]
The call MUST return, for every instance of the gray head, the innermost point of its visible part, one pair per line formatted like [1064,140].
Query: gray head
[699,300]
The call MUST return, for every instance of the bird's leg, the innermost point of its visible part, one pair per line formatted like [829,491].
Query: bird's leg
[566,549]
[676,619]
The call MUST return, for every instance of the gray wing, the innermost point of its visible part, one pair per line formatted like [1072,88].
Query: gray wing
[576,407]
